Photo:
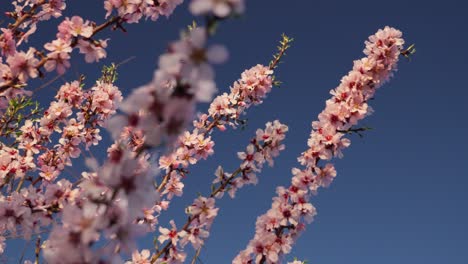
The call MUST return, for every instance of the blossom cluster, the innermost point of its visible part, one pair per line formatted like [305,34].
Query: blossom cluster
[266,145]
[133,11]
[92,108]
[110,201]
[27,14]
[32,207]
[227,109]
[193,146]
[24,213]
[163,107]
[73,33]
[280,226]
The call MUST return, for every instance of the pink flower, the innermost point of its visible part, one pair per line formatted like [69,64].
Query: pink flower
[93,51]
[133,11]
[82,221]
[23,65]
[220,8]
[204,208]
[166,7]
[243,258]
[222,105]
[325,175]
[166,162]
[71,92]
[195,58]
[254,84]
[58,46]
[250,157]
[64,30]
[2,244]
[7,43]
[174,186]
[105,98]
[195,235]
[52,8]
[49,173]
[59,61]
[186,156]
[170,234]
[140,258]
[59,55]
[80,28]
[13,215]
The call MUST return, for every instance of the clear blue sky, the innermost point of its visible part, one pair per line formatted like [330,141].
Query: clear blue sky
[400,195]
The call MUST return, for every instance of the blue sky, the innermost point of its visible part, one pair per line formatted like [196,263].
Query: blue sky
[400,195]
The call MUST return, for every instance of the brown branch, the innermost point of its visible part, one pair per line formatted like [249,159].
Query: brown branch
[194,260]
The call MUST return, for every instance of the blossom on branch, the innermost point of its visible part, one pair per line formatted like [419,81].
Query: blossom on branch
[280,226]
